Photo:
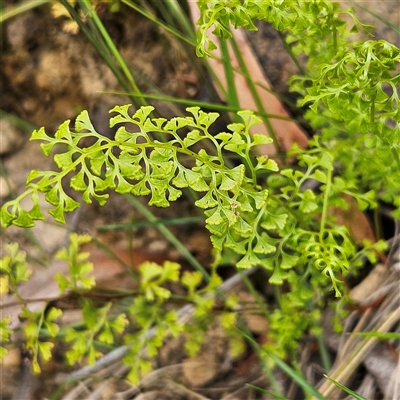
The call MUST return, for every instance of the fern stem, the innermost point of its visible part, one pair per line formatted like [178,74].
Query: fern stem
[325,206]
[396,157]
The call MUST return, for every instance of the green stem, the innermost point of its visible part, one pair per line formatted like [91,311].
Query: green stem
[372,114]
[113,49]
[323,351]
[232,95]
[153,18]
[201,104]
[396,157]
[325,206]
[291,54]
[255,95]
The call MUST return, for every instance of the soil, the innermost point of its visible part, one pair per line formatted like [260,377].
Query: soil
[49,75]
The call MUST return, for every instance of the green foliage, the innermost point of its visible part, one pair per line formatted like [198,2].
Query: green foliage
[97,326]
[277,217]
[35,322]
[79,267]
[5,333]
[270,227]
[13,269]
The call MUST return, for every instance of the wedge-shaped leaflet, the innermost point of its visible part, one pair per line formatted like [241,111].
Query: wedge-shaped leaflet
[140,188]
[243,203]
[7,217]
[207,201]
[78,181]
[180,180]
[227,183]
[224,137]
[123,186]
[274,222]
[192,137]
[123,115]
[260,139]
[176,123]
[249,260]
[96,161]
[236,144]
[196,181]
[239,247]
[127,139]
[83,122]
[158,193]
[263,245]
[242,227]
[279,275]
[191,279]
[260,198]
[308,201]
[154,124]
[288,261]
[202,118]
[41,135]
[215,217]
[232,178]
[174,194]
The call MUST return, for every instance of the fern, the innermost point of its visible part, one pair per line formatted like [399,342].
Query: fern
[265,215]
[266,226]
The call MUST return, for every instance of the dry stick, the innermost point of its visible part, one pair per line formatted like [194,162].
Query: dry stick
[356,356]
[184,315]
[345,348]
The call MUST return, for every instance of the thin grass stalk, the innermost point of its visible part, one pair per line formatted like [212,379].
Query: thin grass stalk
[188,36]
[353,359]
[309,390]
[377,16]
[324,353]
[289,50]
[189,40]
[113,49]
[255,294]
[99,45]
[18,122]
[232,95]
[151,87]
[182,18]
[20,8]
[169,236]
[141,224]
[128,270]
[201,104]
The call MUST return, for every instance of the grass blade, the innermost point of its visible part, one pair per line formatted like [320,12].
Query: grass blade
[141,224]
[346,389]
[20,8]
